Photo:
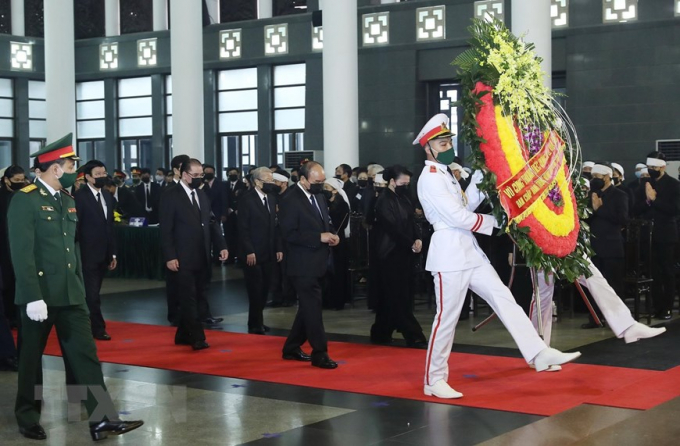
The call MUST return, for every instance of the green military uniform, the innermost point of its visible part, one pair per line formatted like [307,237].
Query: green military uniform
[42,235]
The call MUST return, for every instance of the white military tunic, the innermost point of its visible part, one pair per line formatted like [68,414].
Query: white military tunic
[457,263]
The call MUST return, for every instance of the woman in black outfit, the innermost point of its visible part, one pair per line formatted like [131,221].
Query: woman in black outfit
[338,210]
[398,240]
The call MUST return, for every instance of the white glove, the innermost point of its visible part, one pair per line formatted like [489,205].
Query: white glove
[477,177]
[37,311]
[495,223]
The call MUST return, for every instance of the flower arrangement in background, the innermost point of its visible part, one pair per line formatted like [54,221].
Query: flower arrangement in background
[527,147]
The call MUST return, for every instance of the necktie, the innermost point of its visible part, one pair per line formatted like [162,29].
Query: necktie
[316,206]
[266,205]
[195,203]
[99,201]
[148,193]
[57,198]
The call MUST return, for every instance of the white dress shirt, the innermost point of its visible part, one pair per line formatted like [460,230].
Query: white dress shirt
[95,192]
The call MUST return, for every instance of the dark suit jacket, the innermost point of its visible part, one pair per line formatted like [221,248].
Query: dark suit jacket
[127,204]
[217,193]
[607,223]
[301,227]
[258,232]
[663,211]
[186,236]
[234,194]
[154,199]
[397,230]
[95,233]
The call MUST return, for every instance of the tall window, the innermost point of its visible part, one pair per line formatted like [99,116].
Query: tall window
[37,115]
[289,108]
[6,121]
[134,121]
[448,95]
[136,16]
[237,107]
[168,116]
[236,10]
[286,7]
[90,113]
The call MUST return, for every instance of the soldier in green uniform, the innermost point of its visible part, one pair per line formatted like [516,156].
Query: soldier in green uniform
[50,292]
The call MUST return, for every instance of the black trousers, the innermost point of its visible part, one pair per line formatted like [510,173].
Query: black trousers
[395,302]
[191,287]
[282,288]
[171,296]
[258,280]
[8,288]
[663,273]
[7,348]
[80,353]
[308,324]
[93,275]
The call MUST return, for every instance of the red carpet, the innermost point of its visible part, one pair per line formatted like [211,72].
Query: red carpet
[487,382]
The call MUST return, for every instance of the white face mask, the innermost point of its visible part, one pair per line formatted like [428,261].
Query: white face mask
[159,178]
[59,175]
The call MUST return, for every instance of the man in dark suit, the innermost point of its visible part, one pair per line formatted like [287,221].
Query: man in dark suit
[260,243]
[148,194]
[216,191]
[161,174]
[659,200]
[125,202]
[95,235]
[306,228]
[235,188]
[344,173]
[188,230]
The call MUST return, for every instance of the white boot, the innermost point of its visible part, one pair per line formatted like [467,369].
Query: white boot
[552,368]
[551,357]
[639,331]
[441,389]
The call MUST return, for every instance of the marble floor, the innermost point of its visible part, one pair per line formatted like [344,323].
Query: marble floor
[192,409]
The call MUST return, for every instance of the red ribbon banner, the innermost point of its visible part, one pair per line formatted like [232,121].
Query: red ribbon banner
[520,192]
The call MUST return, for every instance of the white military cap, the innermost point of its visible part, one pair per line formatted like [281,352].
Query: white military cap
[436,127]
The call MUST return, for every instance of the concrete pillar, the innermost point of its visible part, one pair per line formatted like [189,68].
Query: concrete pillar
[340,84]
[18,18]
[112,17]
[265,9]
[160,13]
[533,19]
[60,78]
[213,10]
[186,52]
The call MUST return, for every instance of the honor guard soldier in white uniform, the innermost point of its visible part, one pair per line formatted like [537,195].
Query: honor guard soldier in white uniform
[448,210]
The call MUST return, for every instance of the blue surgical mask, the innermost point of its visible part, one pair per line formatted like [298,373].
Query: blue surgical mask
[638,173]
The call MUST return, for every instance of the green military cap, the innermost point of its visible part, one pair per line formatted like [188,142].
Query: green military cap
[60,149]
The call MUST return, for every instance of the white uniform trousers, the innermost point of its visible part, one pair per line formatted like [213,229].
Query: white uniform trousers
[450,289]
[613,309]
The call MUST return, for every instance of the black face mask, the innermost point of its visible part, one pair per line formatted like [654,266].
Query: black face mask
[271,188]
[294,179]
[401,191]
[195,183]
[654,174]
[328,194]
[586,175]
[118,181]
[209,176]
[596,184]
[362,183]
[316,188]
[146,180]
[16,186]
[99,182]
[233,178]
[339,177]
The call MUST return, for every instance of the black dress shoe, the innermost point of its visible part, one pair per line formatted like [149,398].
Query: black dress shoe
[298,355]
[266,328]
[9,365]
[102,337]
[420,344]
[257,331]
[105,428]
[35,432]
[213,320]
[664,315]
[200,345]
[325,363]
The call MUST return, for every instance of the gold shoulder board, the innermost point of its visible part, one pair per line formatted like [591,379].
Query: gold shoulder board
[29,188]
